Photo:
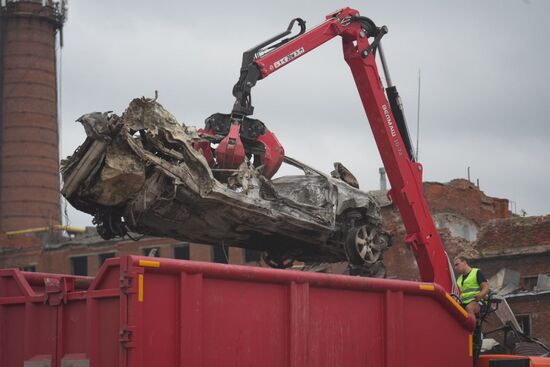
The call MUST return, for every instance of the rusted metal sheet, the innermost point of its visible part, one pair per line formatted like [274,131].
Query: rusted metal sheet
[141,173]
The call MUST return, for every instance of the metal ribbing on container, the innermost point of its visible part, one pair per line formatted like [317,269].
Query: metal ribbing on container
[29,143]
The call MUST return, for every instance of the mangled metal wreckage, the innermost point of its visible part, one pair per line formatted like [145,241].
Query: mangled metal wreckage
[140,173]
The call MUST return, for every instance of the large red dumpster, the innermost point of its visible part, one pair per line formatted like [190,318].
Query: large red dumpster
[143,311]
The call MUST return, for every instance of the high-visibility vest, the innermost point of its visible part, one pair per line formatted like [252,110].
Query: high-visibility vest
[470,287]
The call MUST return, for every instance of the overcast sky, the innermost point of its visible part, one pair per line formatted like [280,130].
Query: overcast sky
[485,81]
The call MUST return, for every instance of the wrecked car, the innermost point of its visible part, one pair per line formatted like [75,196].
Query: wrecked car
[142,173]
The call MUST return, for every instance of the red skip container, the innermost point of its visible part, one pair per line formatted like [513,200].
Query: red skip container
[141,312]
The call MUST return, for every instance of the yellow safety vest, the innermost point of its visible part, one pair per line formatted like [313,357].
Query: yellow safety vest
[470,287]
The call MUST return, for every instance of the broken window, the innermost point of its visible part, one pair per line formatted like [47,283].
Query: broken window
[221,254]
[79,265]
[151,251]
[529,282]
[252,256]
[525,323]
[105,256]
[181,252]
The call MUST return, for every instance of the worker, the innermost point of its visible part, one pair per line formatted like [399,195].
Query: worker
[473,285]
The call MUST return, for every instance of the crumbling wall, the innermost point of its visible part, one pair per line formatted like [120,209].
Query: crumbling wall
[462,197]
[520,235]
[459,210]
[520,244]
[526,265]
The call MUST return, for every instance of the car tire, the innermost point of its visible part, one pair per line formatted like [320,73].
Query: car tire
[363,245]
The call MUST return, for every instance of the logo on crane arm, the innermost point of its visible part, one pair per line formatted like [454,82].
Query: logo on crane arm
[288,58]
[392,129]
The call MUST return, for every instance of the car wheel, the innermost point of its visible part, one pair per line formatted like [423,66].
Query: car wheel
[363,245]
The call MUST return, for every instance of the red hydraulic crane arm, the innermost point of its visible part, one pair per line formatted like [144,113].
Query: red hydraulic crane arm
[301,45]
[391,135]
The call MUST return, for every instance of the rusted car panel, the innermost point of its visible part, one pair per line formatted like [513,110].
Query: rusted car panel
[140,173]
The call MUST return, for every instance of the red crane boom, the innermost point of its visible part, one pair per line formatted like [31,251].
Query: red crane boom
[383,112]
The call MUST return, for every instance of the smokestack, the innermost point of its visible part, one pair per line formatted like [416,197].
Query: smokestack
[29,143]
[383,185]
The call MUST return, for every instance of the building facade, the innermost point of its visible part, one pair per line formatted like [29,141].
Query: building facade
[521,245]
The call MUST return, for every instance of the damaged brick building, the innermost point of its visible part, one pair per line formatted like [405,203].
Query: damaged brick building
[459,210]
[520,246]
[483,229]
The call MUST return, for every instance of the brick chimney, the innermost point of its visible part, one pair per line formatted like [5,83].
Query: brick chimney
[29,140]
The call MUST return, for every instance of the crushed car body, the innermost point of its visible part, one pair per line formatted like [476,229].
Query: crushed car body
[141,173]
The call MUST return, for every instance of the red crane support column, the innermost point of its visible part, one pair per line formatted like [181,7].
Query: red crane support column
[29,141]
